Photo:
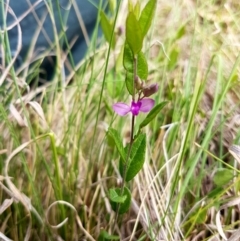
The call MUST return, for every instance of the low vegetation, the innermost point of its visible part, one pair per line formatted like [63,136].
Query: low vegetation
[58,160]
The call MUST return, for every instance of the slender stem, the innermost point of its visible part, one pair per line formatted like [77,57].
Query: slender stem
[128,154]
[125,169]
[134,77]
[132,126]
[104,79]
[130,144]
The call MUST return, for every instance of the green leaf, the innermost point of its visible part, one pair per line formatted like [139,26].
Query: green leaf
[115,197]
[129,82]
[123,207]
[223,176]
[173,59]
[147,16]
[201,216]
[118,142]
[142,66]
[104,236]
[128,60]
[152,114]
[130,6]
[180,32]
[137,9]
[107,28]
[215,192]
[137,157]
[121,163]
[136,160]
[134,35]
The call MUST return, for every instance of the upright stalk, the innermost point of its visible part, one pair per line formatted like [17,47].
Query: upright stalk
[131,141]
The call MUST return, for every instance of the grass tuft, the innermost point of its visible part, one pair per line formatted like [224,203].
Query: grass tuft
[57,163]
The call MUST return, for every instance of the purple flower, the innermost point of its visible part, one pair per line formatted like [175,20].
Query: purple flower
[150,90]
[144,105]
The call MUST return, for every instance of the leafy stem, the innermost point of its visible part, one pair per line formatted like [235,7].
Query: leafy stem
[134,61]
[131,141]
[134,77]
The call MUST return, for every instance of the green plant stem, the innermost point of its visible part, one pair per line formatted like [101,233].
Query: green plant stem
[128,154]
[134,76]
[125,169]
[130,144]
[132,126]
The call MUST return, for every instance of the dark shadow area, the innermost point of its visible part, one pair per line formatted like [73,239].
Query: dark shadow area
[34,27]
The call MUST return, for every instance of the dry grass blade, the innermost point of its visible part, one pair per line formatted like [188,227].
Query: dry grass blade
[219,226]
[235,152]
[191,53]
[18,195]
[18,49]
[37,107]
[19,19]
[16,114]
[1,178]
[66,219]
[6,203]
[235,236]
[4,238]
[231,203]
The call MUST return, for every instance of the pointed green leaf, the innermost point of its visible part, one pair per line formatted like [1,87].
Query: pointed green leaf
[137,157]
[173,59]
[115,197]
[104,236]
[142,66]
[121,163]
[137,9]
[130,6]
[136,160]
[118,142]
[107,28]
[147,16]
[223,176]
[152,114]
[134,35]
[129,82]
[180,32]
[128,60]
[123,207]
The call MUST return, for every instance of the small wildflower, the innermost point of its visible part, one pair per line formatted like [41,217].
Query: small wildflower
[150,90]
[144,105]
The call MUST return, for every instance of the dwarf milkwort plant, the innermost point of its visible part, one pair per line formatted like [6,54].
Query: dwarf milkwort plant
[135,64]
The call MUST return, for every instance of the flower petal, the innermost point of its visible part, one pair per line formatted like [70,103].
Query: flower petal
[147,105]
[135,107]
[121,108]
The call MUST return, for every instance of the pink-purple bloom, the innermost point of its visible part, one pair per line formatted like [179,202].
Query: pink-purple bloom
[144,105]
[150,90]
